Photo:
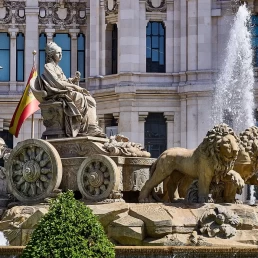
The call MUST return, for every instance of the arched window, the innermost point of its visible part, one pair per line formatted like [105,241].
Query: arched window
[42,51]
[254,30]
[81,55]
[5,56]
[155,134]
[20,57]
[64,41]
[155,47]
[114,49]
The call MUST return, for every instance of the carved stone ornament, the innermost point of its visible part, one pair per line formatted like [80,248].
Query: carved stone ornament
[62,14]
[12,12]
[34,170]
[156,5]
[219,222]
[119,145]
[111,7]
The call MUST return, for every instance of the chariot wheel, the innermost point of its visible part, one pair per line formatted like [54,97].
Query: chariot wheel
[34,170]
[98,175]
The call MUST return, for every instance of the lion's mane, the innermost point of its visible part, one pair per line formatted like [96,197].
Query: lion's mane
[249,144]
[210,147]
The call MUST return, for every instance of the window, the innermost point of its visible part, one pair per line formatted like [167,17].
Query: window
[254,31]
[155,134]
[42,51]
[64,41]
[81,55]
[114,49]
[20,57]
[155,47]
[5,56]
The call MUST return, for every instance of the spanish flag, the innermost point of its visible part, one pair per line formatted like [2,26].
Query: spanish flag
[28,105]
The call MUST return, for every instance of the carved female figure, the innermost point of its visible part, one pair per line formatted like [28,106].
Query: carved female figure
[79,105]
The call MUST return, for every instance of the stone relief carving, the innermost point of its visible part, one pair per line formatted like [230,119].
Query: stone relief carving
[156,5]
[119,145]
[12,12]
[62,14]
[111,7]
[219,222]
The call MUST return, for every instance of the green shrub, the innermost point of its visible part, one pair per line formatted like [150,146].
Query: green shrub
[69,230]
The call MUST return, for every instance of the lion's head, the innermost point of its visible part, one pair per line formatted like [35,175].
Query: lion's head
[221,145]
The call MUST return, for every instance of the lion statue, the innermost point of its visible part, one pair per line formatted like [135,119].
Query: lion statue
[213,158]
[246,165]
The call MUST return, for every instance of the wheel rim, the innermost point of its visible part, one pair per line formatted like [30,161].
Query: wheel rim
[97,177]
[34,170]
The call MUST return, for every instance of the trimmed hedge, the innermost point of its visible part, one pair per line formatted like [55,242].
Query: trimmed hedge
[69,230]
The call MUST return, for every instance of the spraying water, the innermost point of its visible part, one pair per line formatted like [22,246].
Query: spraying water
[233,94]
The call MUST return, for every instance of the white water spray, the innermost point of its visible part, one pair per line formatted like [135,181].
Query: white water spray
[233,94]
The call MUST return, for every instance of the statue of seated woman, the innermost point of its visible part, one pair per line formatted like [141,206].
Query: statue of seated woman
[79,106]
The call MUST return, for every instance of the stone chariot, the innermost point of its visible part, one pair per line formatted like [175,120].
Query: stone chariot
[99,168]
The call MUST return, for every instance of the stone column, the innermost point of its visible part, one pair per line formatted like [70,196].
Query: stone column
[204,34]
[183,28]
[74,34]
[183,127]
[94,38]
[49,33]
[192,35]
[13,33]
[191,121]
[31,34]
[87,45]
[176,47]
[170,128]
[169,37]
[142,119]
[102,39]
[142,36]
[177,129]
[128,19]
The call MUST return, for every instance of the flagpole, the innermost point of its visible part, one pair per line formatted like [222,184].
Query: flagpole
[32,116]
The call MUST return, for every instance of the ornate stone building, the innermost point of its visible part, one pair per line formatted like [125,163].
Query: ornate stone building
[150,64]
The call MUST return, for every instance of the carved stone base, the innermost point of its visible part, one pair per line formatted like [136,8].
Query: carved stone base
[53,120]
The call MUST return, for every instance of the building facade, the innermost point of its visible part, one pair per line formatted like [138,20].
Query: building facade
[150,64]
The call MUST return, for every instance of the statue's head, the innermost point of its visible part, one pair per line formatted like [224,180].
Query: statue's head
[51,49]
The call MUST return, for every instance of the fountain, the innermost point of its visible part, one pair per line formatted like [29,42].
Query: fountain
[233,92]
[120,166]
[233,100]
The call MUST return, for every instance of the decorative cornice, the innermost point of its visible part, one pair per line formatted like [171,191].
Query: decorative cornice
[14,12]
[62,15]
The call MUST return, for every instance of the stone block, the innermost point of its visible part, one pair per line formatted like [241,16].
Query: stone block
[107,213]
[157,221]
[127,231]
[248,216]
[33,220]
[168,240]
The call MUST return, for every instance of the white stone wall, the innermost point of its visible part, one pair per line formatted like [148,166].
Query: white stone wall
[196,36]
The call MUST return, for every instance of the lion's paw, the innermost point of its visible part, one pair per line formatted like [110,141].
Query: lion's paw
[146,200]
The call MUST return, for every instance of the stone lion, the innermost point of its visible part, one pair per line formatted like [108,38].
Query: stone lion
[246,164]
[213,158]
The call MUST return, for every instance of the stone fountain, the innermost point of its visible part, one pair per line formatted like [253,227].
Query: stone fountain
[195,189]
